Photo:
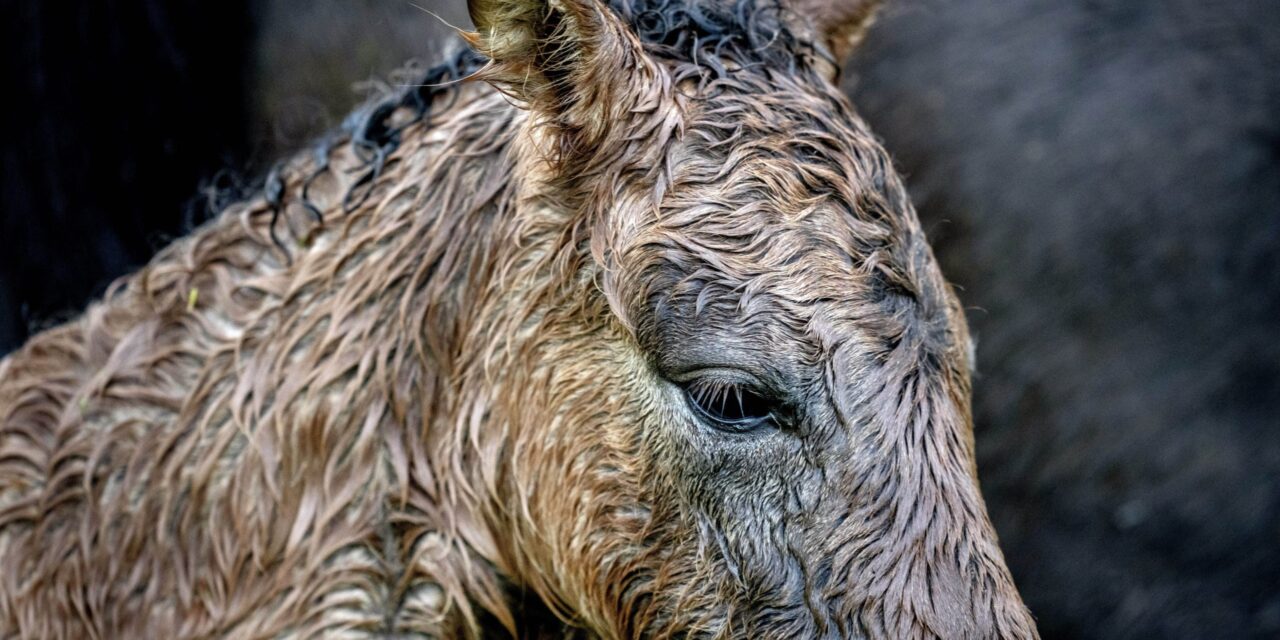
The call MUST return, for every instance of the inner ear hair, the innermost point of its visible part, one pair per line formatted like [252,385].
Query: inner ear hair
[507,30]
[573,63]
[536,34]
[535,45]
[840,25]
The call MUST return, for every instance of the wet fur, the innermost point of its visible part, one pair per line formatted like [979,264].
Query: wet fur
[422,383]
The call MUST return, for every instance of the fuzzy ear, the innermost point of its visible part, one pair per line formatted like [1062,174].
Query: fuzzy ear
[573,61]
[840,23]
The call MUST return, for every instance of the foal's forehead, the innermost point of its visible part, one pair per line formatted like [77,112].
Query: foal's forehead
[800,168]
[784,196]
[764,101]
[765,231]
[781,124]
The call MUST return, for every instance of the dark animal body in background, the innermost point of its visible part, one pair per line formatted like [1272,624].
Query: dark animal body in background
[1102,180]
[642,338]
[115,112]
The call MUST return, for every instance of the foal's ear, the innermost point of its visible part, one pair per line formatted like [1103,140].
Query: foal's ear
[573,60]
[840,23]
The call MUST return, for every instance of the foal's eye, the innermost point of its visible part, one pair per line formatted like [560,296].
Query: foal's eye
[728,406]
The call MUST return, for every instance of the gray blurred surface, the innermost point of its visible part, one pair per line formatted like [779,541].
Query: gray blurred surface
[1103,180]
[313,60]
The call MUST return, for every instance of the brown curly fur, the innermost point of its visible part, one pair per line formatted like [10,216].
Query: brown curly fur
[453,409]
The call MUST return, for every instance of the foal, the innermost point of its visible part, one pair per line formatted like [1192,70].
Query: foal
[638,337]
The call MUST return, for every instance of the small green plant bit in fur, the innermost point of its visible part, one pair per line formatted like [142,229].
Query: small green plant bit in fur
[633,335]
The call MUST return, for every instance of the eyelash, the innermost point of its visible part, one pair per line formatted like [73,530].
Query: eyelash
[727,405]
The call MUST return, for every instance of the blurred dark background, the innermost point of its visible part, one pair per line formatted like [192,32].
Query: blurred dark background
[1102,180]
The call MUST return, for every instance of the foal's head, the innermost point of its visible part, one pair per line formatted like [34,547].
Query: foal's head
[736,402]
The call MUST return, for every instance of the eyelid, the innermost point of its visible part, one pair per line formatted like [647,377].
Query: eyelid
[723,374]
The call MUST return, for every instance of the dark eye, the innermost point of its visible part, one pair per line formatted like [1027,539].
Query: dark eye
[728,406]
